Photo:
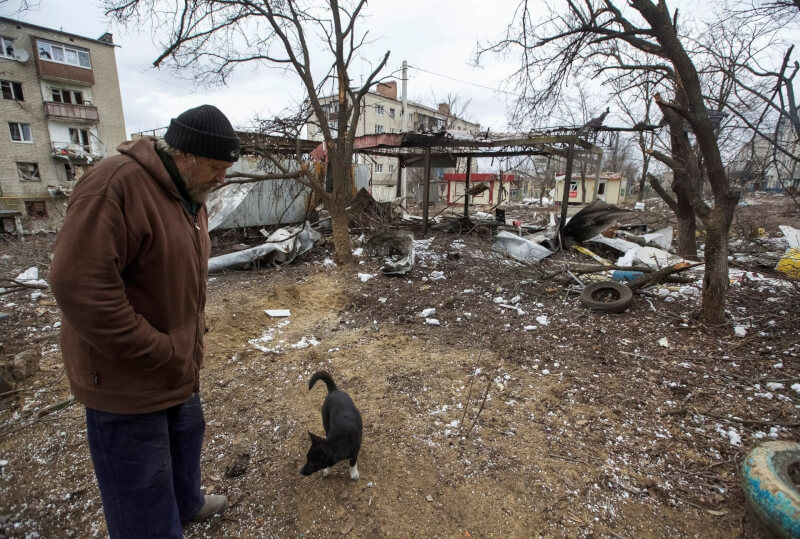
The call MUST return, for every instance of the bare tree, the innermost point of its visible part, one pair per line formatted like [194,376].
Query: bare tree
[587,36]
[21,5]
[634,97]
[210,38]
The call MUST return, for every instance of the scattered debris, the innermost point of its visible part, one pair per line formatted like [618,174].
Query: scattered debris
[520,249]
[277,313]
[606,296]
[282,247]
[591,221]
[397,248]
[790,262]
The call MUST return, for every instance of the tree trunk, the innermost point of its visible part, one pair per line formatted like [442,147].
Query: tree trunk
[583,184]
[341,172]
[686,218]
[715,278]
[341,235]
[642,183]
[687,235]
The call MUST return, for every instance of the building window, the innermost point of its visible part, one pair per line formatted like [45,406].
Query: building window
[80,137]
[20,132]
[28,172]
[391,112]
[53,52]
[379,110]
[573,186]
[601,189]
[391,130]
[60,95]
[391,168]
[36,209]
[378,167]
[378,128]
[11,90]
[6,47]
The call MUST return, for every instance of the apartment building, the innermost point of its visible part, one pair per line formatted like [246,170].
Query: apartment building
[60,112]
[382,112]
[764,165]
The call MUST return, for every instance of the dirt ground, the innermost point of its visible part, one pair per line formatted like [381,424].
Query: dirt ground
[549,421]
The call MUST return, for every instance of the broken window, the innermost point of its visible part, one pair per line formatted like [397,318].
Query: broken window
[379,110]
[573,186]
[378,167]
[28,172]
[20,132]
[70,172]
[378,128]
[391,112]
[601,189]
[11,90]
[62,54]
[7,47]
[80,137]
[36,209]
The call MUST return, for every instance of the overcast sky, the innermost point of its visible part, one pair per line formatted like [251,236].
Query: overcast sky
[436,36]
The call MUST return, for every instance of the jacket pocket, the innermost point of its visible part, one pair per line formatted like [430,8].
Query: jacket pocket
[179,369]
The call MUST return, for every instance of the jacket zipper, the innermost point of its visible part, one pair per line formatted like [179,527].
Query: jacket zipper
[193,220]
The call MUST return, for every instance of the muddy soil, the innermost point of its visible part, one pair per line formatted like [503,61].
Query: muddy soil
[542,420]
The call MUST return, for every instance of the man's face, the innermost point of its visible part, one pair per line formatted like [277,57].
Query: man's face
[201,175]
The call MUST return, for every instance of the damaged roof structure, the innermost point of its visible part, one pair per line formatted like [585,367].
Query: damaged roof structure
[443,148]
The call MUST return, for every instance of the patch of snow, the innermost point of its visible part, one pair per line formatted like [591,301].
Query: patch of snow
[542,319]
[427,312]
[432,322]
[364,277]
[740,331]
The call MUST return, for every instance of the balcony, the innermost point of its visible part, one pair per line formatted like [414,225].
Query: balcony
[69,111]
[75,153]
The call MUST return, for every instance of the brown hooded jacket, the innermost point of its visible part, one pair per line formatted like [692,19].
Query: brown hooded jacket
[129,273]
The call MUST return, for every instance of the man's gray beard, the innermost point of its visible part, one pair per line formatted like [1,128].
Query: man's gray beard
[199,196]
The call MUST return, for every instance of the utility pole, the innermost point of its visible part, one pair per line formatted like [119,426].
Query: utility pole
[404,128]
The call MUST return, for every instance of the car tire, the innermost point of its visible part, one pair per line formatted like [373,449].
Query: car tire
[606,296]
[769,488]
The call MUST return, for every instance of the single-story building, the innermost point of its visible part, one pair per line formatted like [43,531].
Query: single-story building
[491,195]
[609,190]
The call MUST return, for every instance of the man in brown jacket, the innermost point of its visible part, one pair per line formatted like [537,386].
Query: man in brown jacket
[129,273]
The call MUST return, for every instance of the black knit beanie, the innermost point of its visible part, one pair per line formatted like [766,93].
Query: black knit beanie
[204,131]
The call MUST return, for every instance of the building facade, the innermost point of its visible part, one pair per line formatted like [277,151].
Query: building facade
[382,112]
[61,111]
[764,165]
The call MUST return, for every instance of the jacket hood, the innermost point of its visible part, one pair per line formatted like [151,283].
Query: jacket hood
[143,151]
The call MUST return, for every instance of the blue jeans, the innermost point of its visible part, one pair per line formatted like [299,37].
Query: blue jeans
[148,468]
